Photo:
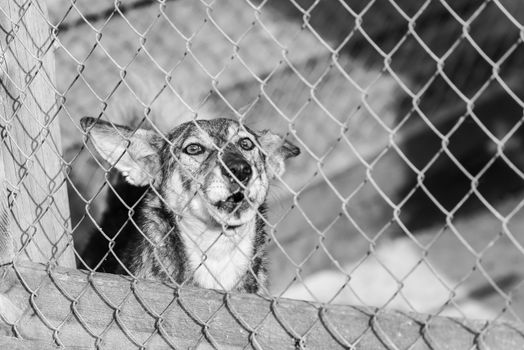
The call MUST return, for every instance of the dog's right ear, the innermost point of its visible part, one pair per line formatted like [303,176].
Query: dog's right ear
[277,150]
[133,153]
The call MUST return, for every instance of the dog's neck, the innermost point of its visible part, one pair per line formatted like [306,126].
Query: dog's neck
[218,258]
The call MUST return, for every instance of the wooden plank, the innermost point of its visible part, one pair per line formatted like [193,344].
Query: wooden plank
[30,135]
[12,343]
[7,249]
[73,308]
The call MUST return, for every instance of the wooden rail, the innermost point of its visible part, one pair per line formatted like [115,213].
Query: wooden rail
[30,136]
[74,309]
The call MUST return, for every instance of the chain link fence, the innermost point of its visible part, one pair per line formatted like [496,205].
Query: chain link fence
[407,194]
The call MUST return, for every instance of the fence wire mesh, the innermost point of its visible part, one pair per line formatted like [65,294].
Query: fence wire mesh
[407,193]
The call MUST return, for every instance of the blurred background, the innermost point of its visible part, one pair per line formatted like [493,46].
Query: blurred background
[409,191]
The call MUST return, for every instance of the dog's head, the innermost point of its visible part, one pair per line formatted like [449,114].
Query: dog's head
[217,171]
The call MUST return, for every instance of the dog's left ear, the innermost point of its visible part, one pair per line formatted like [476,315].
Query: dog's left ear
[132,152]
[277,150]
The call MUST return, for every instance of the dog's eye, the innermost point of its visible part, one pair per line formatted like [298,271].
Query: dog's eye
[246,144]
[194,149]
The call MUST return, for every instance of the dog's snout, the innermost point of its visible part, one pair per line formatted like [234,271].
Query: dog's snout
[239,167]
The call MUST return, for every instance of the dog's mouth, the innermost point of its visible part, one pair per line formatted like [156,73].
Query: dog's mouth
[233,202]
[232,206]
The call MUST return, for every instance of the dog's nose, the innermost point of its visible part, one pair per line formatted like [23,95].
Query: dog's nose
[239,168]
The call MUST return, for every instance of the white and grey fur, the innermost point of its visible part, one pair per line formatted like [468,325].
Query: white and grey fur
[199,216]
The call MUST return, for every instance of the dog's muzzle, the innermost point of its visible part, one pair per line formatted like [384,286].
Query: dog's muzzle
[238,174]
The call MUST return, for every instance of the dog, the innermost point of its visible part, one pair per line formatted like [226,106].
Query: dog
[197,212]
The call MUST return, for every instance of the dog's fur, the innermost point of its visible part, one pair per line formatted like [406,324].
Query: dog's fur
[200,193]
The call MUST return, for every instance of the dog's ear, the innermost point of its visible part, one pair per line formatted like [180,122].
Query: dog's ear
[133,153]
[277,150]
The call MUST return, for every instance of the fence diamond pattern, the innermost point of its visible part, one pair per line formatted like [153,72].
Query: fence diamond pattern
[407,194]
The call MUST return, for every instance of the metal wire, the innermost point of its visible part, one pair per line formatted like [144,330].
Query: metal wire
[409,116]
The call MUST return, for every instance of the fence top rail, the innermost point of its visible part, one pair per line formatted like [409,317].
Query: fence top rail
[120,312]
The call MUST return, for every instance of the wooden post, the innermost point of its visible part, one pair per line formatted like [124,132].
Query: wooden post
[30,146]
